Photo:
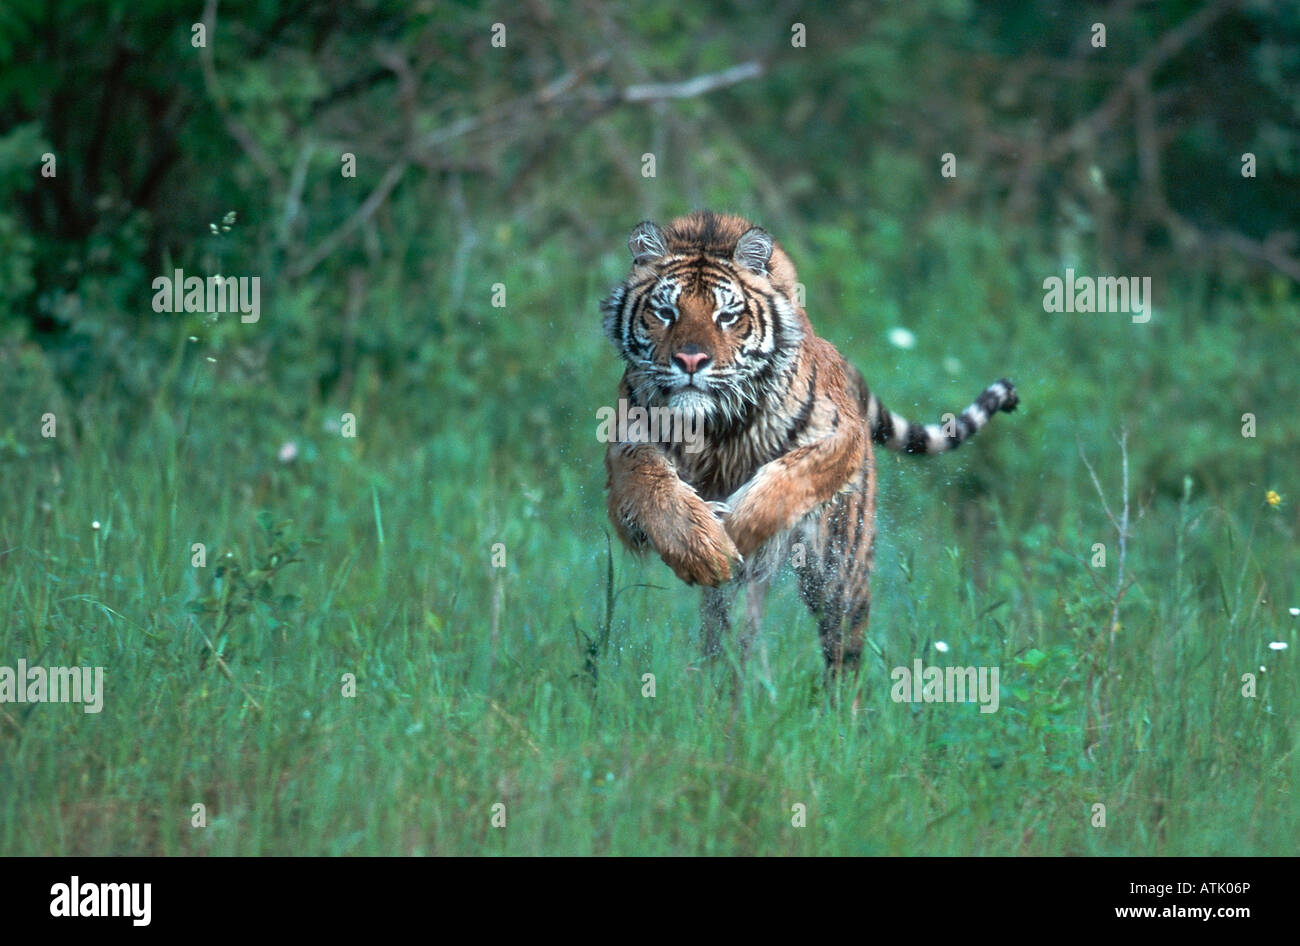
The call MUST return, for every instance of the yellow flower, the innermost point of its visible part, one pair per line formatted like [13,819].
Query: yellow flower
[1272,498]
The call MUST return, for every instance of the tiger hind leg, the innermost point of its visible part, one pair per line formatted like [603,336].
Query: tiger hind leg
[834,566]
[715,618]
[755,597]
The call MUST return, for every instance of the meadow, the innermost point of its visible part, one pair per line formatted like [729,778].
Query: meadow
[454,557]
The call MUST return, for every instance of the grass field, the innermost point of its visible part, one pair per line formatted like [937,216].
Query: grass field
[521,685]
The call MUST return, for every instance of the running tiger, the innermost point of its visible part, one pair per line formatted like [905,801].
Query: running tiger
[708,327]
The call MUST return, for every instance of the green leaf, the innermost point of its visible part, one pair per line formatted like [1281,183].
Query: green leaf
[1032,658]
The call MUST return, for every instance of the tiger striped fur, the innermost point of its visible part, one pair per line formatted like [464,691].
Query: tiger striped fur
[708,326]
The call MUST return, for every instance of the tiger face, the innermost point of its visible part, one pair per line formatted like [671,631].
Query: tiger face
[701,321]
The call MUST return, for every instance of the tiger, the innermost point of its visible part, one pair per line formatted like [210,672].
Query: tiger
[782,467]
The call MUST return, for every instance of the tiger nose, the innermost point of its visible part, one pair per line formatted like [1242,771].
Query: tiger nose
[691,358]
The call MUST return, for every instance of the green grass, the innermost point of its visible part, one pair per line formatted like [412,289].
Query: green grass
[474,686]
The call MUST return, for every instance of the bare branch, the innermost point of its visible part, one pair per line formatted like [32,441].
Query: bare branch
[293,199]
[565,89]
[1101,494]
[1133,88]
[549,94]
[1098,722]
[237,129]
[690,88]
[372,203]
[1273,250]
[1169,45]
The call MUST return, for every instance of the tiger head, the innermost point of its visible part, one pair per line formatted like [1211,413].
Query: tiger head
[706,321]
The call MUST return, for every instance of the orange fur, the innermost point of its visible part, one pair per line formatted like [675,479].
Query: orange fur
[708,326]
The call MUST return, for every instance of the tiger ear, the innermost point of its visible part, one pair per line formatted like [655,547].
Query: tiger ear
[754,250]
[646,243]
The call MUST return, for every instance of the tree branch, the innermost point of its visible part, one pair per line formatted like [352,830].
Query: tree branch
[237,129]
[572,86]
[690,88]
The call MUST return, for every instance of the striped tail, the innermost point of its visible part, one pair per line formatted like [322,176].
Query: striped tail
[898,433]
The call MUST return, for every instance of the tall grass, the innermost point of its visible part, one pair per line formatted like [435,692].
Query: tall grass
[523,685]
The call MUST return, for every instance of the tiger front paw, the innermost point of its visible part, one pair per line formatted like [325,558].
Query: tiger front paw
[755,516]
[705,555]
